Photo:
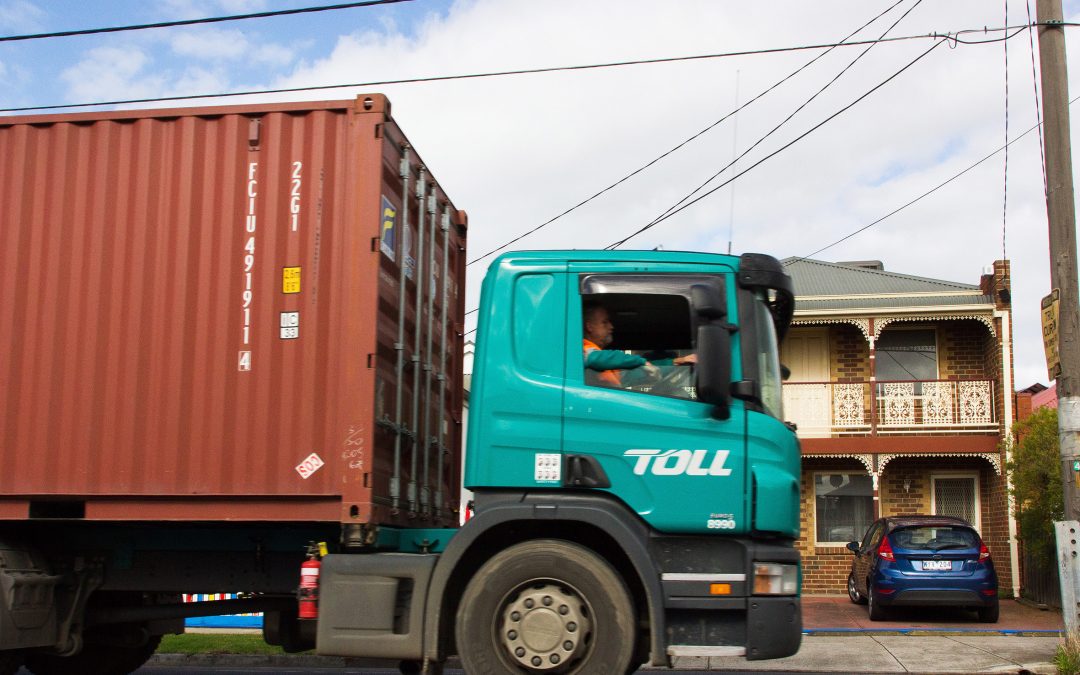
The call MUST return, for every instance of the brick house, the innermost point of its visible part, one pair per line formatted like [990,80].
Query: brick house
[901,388]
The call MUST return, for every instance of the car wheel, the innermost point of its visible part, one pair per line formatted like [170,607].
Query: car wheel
[989,614]
[853,591]
[877,612]
[546,606]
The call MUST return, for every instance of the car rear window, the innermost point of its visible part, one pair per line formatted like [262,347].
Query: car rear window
[934,537]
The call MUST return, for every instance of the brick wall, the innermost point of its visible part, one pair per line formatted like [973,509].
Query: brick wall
[849,354]
[825,569]
[966,350]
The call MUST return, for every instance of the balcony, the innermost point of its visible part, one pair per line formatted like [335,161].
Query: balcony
[831,409]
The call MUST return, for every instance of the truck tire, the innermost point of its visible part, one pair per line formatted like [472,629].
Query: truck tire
[95,659]
[546,606]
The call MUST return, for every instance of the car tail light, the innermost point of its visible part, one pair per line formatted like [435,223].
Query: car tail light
[984,553]
[885,551]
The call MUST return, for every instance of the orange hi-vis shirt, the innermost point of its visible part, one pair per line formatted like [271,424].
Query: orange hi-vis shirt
[611,378]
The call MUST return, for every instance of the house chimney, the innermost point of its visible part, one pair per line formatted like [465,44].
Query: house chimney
[1001,284]
[986,281]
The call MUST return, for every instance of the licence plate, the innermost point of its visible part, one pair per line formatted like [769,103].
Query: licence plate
[937,565]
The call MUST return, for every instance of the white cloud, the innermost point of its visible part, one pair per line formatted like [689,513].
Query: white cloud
[210,44]
[233,45]
[20,15]
[196,9]
[113,72]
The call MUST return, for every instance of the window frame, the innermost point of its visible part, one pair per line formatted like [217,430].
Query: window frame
[974,475]
[595,285]
[858,537]
[896,329]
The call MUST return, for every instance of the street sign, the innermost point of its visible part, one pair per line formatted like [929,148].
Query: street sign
[1051,312]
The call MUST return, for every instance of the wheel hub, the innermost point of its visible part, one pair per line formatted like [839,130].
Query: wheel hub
[545,627]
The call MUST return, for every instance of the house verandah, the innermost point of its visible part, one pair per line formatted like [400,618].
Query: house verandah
[901,392]
[841,495]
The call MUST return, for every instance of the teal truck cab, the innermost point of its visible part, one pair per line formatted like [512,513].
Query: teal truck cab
[616,522]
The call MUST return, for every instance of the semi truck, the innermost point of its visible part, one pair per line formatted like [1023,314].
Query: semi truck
[232,362]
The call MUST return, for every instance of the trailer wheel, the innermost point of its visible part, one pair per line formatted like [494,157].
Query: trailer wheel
[95,659]
[546,606]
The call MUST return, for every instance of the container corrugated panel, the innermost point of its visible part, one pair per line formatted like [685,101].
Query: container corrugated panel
[200,317]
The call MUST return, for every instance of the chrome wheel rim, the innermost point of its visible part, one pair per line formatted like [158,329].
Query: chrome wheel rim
[545,626]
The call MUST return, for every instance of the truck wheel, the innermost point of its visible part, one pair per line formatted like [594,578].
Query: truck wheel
[545,606]
[95,659]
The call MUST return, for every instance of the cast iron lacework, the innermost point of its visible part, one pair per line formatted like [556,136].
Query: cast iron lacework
[898,403]
[937,402]
[848,407]
[975,403]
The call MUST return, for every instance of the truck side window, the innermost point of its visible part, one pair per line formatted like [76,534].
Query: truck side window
[639,342]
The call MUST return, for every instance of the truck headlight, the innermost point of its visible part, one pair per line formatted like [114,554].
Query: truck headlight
[775,579]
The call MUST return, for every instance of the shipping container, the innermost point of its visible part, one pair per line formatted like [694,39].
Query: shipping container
[244,313]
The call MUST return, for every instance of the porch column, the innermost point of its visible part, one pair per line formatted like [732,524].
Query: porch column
[874,476]
[873,397]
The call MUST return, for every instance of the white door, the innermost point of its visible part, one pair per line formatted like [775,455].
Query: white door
[806,393]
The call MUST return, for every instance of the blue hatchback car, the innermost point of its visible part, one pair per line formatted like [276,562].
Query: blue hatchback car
[930,561]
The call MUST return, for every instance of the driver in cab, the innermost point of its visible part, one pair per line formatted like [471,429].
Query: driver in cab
[612,367]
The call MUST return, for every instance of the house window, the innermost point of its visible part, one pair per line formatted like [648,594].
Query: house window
[906,355]
[956,495]
[843,507]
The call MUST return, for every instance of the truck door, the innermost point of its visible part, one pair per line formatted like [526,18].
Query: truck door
[663,451]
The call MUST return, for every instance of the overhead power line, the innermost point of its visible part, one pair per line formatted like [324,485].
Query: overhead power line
[791,143]
[787,119]
[776,152]
[650,163]
[954,37]
[1038,125]
[195,22]
[892,213]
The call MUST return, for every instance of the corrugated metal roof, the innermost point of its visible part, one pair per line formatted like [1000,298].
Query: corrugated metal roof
[823,285]
[868,302]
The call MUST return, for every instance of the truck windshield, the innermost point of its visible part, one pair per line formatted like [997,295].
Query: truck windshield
[768,359]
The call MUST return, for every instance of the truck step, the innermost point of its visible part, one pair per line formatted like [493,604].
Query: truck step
[706,650]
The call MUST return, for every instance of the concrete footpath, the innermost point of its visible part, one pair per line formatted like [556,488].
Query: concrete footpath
[839,638]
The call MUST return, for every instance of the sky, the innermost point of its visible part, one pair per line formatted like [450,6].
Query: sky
[516,151]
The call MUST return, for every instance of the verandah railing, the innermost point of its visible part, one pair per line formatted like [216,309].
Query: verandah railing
[834,408]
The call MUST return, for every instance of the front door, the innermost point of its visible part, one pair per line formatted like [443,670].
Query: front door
[806,393]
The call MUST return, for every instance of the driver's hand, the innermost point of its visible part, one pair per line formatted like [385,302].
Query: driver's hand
[690,359]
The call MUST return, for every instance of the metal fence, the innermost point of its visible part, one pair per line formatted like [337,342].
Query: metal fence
[1040,581]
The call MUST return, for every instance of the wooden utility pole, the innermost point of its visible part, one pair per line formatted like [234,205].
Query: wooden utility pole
[1061,212]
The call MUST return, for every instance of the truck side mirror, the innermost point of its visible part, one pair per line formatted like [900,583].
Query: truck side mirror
[713,347]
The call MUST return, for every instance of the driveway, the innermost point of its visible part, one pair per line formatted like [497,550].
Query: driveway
[835,613]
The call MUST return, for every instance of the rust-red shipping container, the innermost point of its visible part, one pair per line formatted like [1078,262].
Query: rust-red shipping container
[201,317]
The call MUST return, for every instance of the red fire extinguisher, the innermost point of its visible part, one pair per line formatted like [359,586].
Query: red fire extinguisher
[308,596]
